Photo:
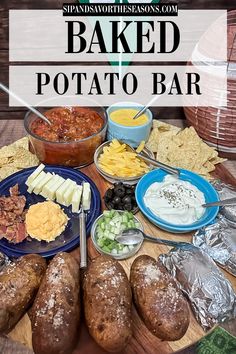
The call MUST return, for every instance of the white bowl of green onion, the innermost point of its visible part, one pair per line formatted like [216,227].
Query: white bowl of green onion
[110,224]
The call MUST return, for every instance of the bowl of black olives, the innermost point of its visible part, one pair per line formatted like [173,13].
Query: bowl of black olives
[121,197]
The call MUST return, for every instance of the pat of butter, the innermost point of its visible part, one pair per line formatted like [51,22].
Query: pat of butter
[61,191]
[42,183]
[48,186]
[68,193]
[86,196]
[52,190]
[34,174]
[36,180]
[76,198]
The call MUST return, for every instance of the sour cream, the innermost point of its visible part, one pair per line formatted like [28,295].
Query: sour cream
[175,201]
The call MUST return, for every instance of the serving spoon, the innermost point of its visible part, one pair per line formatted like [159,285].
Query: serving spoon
[134,236]
[154,99]
[230,201]
[163,166]
[19,99]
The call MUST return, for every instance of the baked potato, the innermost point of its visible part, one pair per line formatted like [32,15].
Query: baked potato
[19,282]
[107,303]
[56,311]
[159,301]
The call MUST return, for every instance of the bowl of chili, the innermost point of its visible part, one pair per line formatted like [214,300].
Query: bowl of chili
[73,137]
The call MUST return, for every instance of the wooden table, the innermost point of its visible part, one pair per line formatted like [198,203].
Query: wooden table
[143,341]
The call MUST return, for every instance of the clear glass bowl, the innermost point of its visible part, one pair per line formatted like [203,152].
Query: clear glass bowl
[72,153]
[113,179]
[118,256]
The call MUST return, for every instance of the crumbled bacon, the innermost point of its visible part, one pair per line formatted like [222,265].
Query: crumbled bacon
[12,216]
[14,191]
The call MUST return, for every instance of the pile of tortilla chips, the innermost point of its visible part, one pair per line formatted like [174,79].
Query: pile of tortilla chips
[15,157]
[182,148]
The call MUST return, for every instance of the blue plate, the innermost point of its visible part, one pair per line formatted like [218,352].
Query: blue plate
[203,185]
[70,237]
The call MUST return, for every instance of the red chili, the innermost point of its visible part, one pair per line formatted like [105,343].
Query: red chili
[69,124]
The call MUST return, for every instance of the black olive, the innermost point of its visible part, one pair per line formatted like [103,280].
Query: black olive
[127,200]
[120,207]
[133,199]
[110,205]
[119,191]
[128,206]
[116,200]
[109,194]
[106,199]
[129,191]
[118,184]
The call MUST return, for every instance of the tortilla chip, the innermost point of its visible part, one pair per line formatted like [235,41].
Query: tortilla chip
[165,150]
[182,148]
[15,157]
[217,159]
[7,151]
[24,158]
[177,159]
[163,127]
[7,171]
[209,166]
[22,143]
[153,140]
[4,161]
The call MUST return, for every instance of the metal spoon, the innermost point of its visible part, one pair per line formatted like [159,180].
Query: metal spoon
[167,168]
[133,236]
[35,111]
[230,201]
[155,98]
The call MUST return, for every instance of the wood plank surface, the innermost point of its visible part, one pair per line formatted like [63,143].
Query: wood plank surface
[143,342]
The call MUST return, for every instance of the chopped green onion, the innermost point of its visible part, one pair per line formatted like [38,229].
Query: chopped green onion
[111,224]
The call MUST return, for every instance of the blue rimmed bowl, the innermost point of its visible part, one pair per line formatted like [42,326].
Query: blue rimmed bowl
[203,185]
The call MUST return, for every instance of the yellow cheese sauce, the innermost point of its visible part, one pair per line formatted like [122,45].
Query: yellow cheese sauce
[124,116]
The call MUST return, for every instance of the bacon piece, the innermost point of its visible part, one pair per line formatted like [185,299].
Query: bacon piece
[14,191]
[21,232]
[16,233]
[12,216]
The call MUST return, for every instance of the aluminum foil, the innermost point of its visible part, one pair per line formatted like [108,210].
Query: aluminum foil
[211,295]
[226,191]
[219,242]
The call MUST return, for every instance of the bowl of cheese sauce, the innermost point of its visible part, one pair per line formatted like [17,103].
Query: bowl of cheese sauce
[122,126]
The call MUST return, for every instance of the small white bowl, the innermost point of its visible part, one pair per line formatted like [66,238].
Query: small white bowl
[118,256]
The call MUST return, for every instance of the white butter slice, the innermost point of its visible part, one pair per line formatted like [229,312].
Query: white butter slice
[76,198]
[54,181]
[36,180]
[52,190]
[86,196]
[42,183]
[61,191]
[67,196]
[34,174]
